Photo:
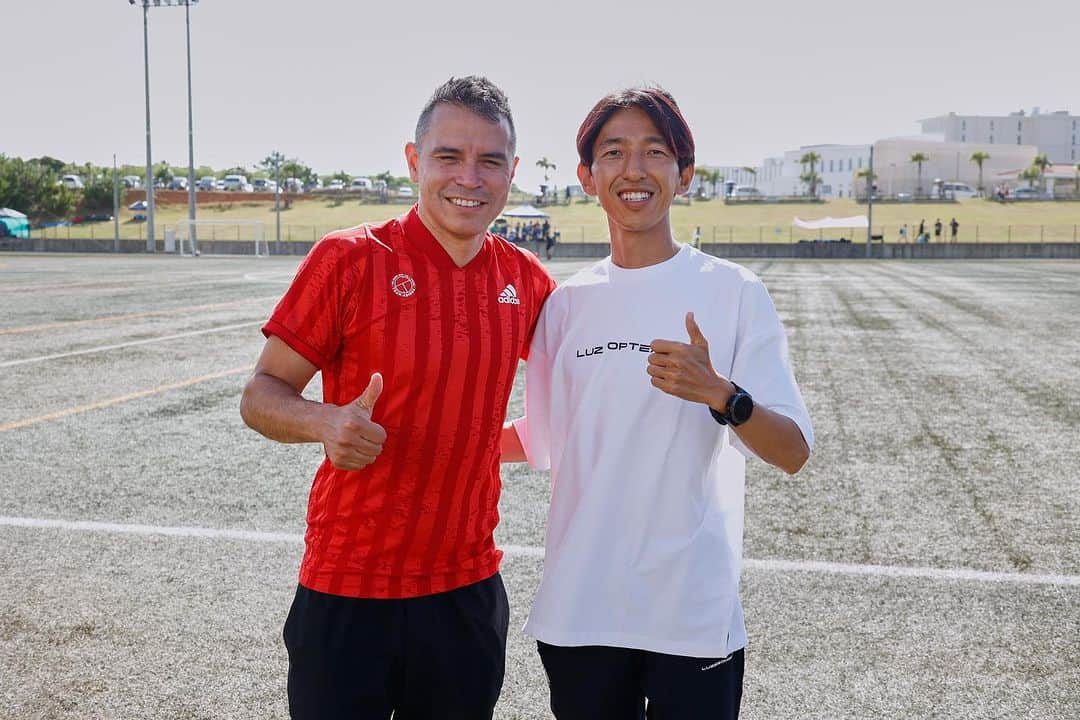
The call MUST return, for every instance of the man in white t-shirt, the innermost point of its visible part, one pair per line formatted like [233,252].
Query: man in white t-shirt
[632,401]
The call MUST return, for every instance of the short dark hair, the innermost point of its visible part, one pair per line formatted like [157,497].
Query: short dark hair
[475,93]
[658,104]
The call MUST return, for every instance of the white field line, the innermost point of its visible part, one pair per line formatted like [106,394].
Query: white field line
[130,316]
[132,343]
[957,574]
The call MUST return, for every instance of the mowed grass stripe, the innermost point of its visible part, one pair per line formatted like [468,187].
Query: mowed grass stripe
[26,422]
[132,343]
[132,316]
[765,565]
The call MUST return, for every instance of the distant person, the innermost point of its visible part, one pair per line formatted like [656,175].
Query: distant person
[937,230]
[954,227]
[567,190]
[550,238]
[903,233]
[922,229]
[647,439]
[417,325]
[546,230]
[697,237]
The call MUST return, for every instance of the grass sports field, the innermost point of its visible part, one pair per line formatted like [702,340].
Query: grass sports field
[311,217]
[925,563]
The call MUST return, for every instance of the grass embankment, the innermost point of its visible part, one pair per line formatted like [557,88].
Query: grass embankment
[310,217]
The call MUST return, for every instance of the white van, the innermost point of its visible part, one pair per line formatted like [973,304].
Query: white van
[237,183]
[72,182]
[745,192]
[958,190]
[361,184]
[206,182]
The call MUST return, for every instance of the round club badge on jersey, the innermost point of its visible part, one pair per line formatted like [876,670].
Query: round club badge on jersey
[403,285]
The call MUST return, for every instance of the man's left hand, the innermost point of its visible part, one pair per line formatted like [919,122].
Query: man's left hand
[685,370]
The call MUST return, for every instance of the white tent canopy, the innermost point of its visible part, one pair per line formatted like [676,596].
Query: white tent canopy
[8,212]
[855,221]
[525,211]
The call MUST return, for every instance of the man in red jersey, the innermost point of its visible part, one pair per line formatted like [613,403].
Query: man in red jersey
[417,325]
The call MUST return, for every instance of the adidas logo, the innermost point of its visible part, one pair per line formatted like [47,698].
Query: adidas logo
[509,296]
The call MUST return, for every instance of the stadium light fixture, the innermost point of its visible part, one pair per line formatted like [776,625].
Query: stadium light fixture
[149,181]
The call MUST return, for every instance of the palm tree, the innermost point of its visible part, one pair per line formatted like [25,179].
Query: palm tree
[713,177]
[753,175]
[547,165]
[919,158]
[870,178]
[1032,174]
[810,177]
[979,157]
[1041,162]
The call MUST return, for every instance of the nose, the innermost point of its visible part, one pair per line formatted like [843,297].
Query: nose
[635,166]
[469,175]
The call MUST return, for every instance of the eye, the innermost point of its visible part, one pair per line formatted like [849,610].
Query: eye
[612,153]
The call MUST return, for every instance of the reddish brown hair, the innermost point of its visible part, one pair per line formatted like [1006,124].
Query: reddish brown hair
[658,104]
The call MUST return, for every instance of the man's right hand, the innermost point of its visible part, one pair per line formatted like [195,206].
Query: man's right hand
[353,441]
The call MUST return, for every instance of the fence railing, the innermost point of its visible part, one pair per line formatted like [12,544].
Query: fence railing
[982,233]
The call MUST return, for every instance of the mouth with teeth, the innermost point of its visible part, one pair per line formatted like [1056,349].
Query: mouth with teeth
[635,196]
[465,202]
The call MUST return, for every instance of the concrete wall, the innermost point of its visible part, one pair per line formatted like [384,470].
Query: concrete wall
[821,250]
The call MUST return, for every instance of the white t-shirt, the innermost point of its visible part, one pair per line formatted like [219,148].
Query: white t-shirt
[644,534]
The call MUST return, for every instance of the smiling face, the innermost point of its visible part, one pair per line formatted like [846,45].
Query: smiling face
[634,174]
[463,165]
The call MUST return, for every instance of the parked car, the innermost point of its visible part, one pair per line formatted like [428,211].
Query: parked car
[959,190]
[131,181]
[237,183]
[219,185]
[313,184]
[1028,193]
[361,183]
[406,191]
[336,185]
[745,192]
[137,205]
[206,182]
[263,185]
[72,182]
[178,183]
[293,185]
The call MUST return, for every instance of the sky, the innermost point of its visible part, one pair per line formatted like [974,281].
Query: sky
[338,84]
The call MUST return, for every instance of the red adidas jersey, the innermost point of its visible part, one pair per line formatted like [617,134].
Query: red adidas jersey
[388,298]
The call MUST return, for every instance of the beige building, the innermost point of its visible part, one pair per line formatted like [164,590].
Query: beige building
[1055,134]
[948,161]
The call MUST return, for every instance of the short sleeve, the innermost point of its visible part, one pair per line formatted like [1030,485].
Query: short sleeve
[544,285]
[309,317]
[534,429]
[761,364]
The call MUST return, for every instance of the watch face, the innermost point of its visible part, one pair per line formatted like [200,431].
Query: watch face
[741,407]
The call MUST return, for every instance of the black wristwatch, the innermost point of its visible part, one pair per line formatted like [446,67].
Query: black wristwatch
[740,406]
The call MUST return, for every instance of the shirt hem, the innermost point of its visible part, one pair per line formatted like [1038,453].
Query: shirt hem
[622,640]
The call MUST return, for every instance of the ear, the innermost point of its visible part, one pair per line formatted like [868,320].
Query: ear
[412,158]
[586,178]
[513,168]
[686,176]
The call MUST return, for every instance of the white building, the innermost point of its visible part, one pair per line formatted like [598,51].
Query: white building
[837,166]
[1056,134]
[730,176]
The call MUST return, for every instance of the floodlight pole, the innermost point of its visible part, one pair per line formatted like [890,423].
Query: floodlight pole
[115,206]
[149,182]
[191,136]
[870,205]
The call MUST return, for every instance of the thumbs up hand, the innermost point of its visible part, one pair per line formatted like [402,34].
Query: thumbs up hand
[685,370]
[353,441]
